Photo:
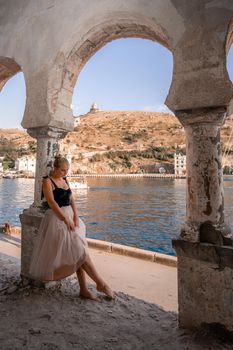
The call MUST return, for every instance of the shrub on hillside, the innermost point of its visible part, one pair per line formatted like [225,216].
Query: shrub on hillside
[133,137]
[113,166]
[95,158]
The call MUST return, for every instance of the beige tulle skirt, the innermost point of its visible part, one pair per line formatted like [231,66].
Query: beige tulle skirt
[58,252]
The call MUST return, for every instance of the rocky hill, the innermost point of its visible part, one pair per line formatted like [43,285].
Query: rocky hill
[124,141]
[115,141]
[124,130]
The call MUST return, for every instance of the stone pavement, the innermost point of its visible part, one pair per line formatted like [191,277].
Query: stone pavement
[142,316]
[143,279]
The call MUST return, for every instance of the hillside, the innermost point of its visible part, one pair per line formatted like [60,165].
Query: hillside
[124,130]
[115,141]
[124,141]
[128,141]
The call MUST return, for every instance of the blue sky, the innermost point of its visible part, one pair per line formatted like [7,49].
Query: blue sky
[126,74]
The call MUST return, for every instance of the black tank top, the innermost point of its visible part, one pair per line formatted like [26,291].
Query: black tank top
[61,196]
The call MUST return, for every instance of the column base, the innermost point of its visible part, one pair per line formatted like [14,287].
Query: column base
[216,234]
[207,232]
[205,284]
[30,222]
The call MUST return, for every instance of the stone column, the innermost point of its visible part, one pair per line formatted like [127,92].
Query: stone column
[47,148]
[204,248]
[204,196]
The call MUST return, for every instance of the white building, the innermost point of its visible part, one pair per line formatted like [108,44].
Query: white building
[1,164]
[26,163]
[77,121]
[180,164]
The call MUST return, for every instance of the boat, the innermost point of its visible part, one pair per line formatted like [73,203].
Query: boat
[78,184]
[8,176]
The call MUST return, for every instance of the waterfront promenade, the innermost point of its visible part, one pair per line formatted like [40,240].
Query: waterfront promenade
[129,270]
[128,175]
[143,315]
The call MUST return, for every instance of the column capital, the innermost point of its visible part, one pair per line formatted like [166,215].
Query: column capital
[213,115]
[47,132]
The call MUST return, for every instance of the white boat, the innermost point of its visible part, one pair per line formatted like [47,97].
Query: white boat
[77,185]
[8,176]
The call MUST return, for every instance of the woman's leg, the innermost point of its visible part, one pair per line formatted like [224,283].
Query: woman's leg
[84,291]
[101,285]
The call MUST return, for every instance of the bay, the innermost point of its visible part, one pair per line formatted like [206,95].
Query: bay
[140,212]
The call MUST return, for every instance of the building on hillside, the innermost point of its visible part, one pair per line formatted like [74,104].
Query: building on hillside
[69,158]
[26,163]
[157,168]
[1,164]
[179,164]
[77,121]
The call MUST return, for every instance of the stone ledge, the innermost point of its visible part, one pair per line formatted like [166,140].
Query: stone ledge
[220,256]
[124,250]
[97,244]
[133,252]
[166,259]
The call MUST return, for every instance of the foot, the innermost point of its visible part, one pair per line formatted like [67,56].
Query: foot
[104,288]
[87,294]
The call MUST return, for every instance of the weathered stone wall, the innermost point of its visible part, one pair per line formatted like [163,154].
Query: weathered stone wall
[52,40]
[30,221]
[205,284]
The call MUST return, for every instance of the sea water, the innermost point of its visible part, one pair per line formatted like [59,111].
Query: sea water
[140,212]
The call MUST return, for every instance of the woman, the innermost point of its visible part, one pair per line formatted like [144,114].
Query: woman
[61,248]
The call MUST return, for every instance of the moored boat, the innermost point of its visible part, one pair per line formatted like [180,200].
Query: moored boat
[8,176]
[78,184]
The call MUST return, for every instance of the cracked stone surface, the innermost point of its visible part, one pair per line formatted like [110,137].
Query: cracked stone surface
[56,318]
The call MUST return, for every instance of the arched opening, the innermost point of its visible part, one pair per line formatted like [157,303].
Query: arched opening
[14,142]
[227,141]
[128,79]
[230,63]
[8,68]
[78,60]
[66,70]
[134,74]
[12,102]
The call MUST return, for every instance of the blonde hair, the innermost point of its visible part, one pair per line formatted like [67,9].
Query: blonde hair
[59,161]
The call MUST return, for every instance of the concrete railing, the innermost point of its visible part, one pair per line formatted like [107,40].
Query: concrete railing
[132,252]
[121,250]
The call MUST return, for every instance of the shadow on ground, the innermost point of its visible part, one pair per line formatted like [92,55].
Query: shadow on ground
[56,318]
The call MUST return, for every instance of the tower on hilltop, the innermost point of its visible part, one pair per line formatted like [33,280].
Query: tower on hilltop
[94,108]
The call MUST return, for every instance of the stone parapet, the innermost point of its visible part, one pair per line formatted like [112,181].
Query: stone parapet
[30,220]
[109,247]
[205,284]
[133,252]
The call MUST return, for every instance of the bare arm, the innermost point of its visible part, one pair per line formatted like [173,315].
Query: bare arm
[48,193]
[75,210]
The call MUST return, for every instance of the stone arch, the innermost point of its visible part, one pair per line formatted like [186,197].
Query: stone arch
[229,42]
[65,71]
[229,39]
[8,68]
